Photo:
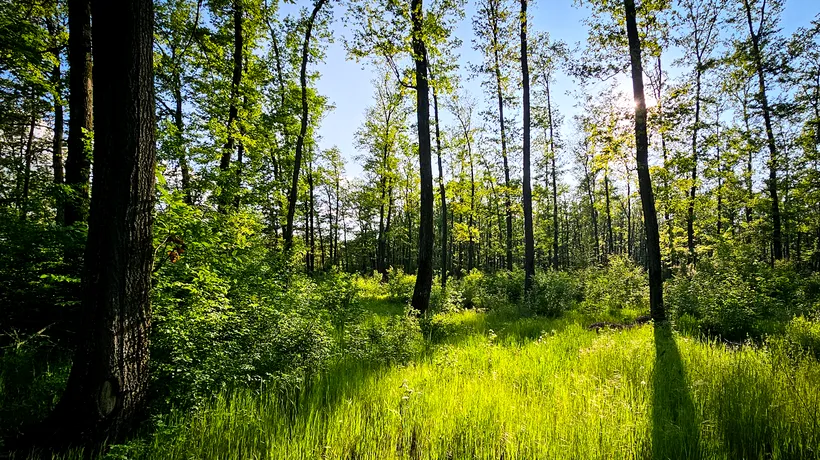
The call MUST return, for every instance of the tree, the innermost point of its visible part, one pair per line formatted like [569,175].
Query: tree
[300,140]
[78,160]
[758,37]
[529,243]
[644,180]
[107,388]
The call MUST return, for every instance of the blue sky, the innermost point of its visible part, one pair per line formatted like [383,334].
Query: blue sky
[347,84]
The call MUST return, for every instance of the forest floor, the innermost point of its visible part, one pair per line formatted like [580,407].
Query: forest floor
[494,386]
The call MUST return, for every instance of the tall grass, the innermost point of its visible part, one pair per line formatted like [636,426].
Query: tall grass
[528,388]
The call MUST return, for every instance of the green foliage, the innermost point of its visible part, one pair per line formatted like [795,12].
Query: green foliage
[400,285]
[619,285]
[554,292]
[472,289]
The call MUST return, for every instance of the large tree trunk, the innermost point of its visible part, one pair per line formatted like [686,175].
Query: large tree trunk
[107,387]
[529,243]
[653,247]
[424,275]
[78,160]
[777,243]
[300,140]
[442,194]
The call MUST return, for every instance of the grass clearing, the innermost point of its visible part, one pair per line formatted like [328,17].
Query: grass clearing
[494,387]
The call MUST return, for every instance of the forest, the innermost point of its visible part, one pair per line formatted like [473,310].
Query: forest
[544,229]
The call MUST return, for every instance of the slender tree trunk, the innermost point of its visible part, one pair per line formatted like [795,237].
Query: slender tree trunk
[78,160]
[690,214]
[107,387]
[59,124]
[300,140]
[503,132]
[555,261]
[233,109]
[442,194]
[644,180]
[609,239]
[529,243]
[29,156]
[777,244]
[424,276]
[179,124]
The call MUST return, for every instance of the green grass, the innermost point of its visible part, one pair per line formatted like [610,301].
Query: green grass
[496,387]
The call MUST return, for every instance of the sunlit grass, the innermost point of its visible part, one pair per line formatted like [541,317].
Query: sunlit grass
[528,388]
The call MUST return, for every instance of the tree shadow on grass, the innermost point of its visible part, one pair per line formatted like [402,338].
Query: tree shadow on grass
[675,427]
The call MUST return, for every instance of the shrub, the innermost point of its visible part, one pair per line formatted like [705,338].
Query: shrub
[400,285]
[554,292]
[396,340]
[619,285]
[802,336]
[472,289]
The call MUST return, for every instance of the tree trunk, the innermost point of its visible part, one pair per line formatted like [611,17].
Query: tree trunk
[690,214]
[644,180]
[442,193]
[529,243]
[107,387]
[29,156]
[777,244]
[80,103]
[424,276]
[59,124]
[233,109]
[555,259]
[300,140]
[503,129]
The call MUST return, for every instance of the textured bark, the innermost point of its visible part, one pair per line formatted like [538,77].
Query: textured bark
[80,103]
[107,387]
[300,140]
[653,248]
[777,243]
[529,243]
[424,275]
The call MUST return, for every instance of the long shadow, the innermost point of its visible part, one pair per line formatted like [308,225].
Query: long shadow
[675,427]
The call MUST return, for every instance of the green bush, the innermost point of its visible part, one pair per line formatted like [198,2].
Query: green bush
[621,284]
[396,340]
[472,289]
[554,292]
[400,285]
[802,336]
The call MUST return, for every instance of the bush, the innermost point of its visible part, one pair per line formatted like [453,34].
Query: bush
[472,289]
[504,287]
[446,300]
[802,337]
[396,340]
[400,285]
[554,292]
[619,285]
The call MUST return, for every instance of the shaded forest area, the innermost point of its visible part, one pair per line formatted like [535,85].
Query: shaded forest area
[186,273]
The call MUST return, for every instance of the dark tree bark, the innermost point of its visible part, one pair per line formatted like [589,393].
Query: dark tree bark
[529,243]
[653,247]
[442,194]
[300,140]
[555,260]
[233,109]
[495,37]
[78,160]
[59,124]
[424,275]
[777,243]
[107,387]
